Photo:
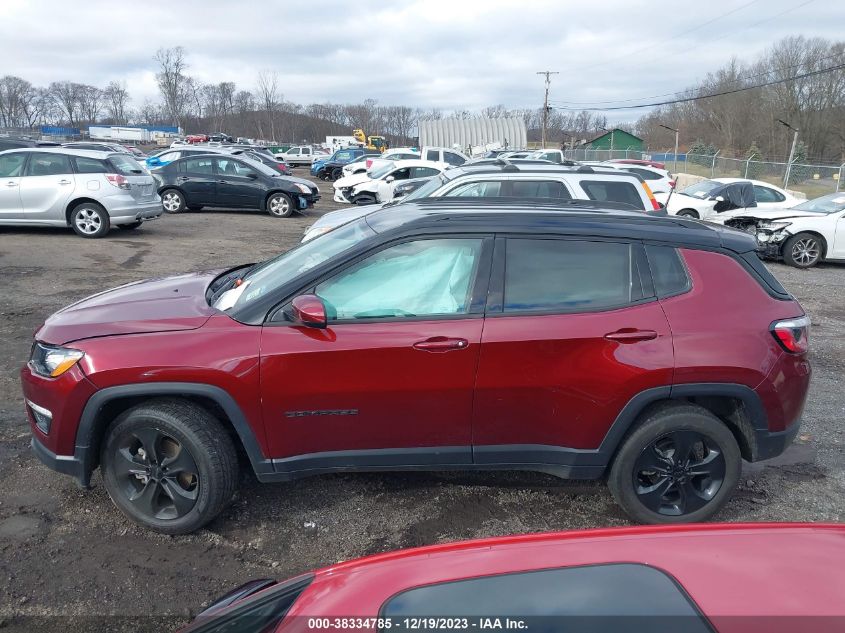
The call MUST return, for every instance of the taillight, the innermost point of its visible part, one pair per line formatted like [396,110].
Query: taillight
[118,180]
[369,163]
[793,334]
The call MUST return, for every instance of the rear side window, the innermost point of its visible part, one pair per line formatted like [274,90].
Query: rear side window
[569,275]
[613,191]
[539,189]
[48,165]
[614,597]
[432,154]
[85,165]
[667,270]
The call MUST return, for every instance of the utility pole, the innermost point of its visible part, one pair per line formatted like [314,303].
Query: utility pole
[791,152]
[547,73]
[675,162]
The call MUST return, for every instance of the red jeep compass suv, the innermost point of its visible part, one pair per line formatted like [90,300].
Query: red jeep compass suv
[559,337]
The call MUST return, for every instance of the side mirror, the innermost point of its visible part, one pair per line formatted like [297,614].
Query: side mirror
[389,179]
[718,198]
[309,310]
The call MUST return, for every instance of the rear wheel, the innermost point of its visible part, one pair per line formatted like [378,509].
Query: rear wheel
[169,465]
[679,466]
[803,250]
[280,205]
[172,201]
[89,219]
[689,213]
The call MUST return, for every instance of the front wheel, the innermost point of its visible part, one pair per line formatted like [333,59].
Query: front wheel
[280,205]
[803,250]
[89,220]
[172,201]
[169,465]
[679,466]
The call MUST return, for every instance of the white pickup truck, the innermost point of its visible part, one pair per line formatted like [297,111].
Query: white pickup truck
[300,155]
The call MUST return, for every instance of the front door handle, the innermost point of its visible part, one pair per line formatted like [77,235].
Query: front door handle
[631,335]
[441,344]
[183,178]
[11,184]
[64,182]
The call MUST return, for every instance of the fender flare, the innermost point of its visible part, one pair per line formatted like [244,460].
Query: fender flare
[88,422]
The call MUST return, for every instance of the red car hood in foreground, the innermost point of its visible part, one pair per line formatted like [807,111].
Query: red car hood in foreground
[154,305]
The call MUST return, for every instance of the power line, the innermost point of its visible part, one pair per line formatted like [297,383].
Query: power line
[671,94]
[711,95]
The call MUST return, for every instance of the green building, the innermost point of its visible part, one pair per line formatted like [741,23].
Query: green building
[617,139]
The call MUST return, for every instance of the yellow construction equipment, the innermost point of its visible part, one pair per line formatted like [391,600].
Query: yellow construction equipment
[370,142]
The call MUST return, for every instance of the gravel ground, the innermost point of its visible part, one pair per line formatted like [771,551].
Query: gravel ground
[68,552]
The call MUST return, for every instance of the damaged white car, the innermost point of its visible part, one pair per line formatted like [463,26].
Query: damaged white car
[803,235]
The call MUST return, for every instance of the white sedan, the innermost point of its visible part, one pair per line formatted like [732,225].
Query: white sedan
[802,236]
[378,184]
[702,200]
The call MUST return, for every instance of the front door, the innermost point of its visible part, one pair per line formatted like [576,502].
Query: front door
[390,381]
[838,249]
[572,333]
[238,184]
[46,186]
[11,171]
[196,178]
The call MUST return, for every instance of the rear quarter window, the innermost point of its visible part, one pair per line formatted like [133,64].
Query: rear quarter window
[85,165]
[613,191]
[667,271]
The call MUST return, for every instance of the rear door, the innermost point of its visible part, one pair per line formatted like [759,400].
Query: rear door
[46,186]
[11,171]
[572,332]
[238,184]
[195,176]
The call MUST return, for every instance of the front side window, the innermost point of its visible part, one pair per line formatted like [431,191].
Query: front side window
[11,165]
[401,174]
[484,189]
[613,191]
[421,278]
[48,165]
[294,151]
[231,167]
[432,154]
[569,275]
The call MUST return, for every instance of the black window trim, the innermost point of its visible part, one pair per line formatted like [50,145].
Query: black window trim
[496,289]
[671,577]
[478,296]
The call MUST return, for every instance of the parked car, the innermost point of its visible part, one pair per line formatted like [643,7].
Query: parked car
[452,157]
[392,155]
[89,191]
[701,200]
[654,579]
[668,340]
[223,180]
[658,180]
[11,142]
[98,147]
[494,179]
[331,167]
[156,161]
[267,159]
[300,155]
[802,236]
[365,188]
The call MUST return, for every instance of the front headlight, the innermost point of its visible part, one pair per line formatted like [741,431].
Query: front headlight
[52,361]
[773,226]
[302,188]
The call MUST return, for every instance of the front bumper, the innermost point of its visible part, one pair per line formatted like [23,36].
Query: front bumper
[65,464]
[342,195]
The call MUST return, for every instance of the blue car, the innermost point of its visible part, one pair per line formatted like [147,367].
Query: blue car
[341,156]
[164,157]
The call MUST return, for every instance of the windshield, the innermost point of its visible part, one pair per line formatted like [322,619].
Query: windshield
[271,275]
[702,189]
[428,188]
[826,204]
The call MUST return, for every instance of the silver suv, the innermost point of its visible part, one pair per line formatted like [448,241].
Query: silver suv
[90,191]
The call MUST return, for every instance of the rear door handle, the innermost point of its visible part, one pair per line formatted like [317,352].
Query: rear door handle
[631,335]
[441,344]
[64,182]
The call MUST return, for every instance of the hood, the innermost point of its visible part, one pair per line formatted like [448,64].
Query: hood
[351,180]
[294,179]
[767,214]
[155,305]
[342,216]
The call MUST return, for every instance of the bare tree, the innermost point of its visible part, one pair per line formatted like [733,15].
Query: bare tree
[116,98]
[17,99]
[171,80]
[90,103]
[268,95]
[67,95]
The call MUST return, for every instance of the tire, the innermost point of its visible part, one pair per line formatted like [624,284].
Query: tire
[688,213]
[130,227]
[683,498]
[337,173]
[173,201]
[89,219]
[280,205]
[803,250]
[134,457]
[364,199]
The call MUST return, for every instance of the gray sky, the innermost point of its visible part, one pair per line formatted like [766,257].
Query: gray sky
[427,53]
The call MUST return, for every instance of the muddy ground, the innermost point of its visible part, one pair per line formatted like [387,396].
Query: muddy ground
[68,552]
